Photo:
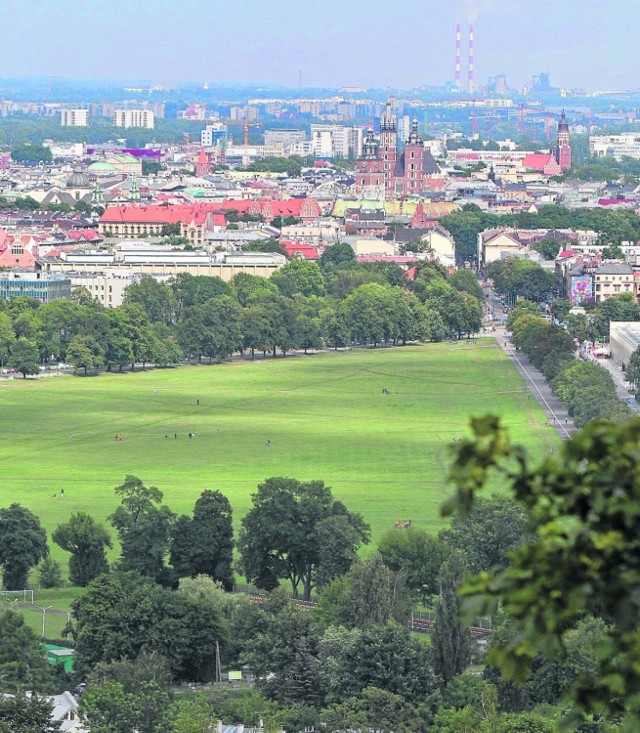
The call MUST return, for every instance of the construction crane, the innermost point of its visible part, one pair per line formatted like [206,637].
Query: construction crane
[246,124]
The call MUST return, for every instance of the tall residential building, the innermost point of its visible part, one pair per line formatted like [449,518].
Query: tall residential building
[563,146]
[134,118]
[74,117]
[335,141]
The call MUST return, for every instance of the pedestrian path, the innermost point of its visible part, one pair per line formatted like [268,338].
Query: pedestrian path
[553,408]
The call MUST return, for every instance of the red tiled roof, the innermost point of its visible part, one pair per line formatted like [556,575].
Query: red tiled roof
[305,250]
[154,214]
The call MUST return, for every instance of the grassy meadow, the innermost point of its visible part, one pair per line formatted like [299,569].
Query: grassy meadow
[384,455]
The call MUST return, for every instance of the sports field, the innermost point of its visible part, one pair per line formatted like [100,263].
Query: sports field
[326,417]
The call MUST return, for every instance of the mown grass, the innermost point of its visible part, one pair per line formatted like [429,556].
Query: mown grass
[384,455]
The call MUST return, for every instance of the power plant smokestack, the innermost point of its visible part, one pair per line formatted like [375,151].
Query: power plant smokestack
[458,57]
[471,79]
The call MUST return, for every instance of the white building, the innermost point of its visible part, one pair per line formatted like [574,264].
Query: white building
[134,118]
[212,134]
[615,146]
[74,117]
[336,141]
[284,137]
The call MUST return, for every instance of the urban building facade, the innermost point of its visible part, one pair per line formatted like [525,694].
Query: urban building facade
[74,117]
[40,286]
[134,118]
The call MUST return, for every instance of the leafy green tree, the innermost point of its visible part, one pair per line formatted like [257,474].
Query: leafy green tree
[144,526]
[366,313]
[467,281]
[183,630]
[340,255]
[376,709]
[247,286]
[335,328]
[264,245]
[31,154]
[418,556]
[23,543]
[255,328]
[374,594]
[193,716]
[203,545]
[157,299]
[383,656]
[147,678]
[22,664]
[109,709]
[632,371]
[451,641]
[581,506]
[613,252]
[85,352]
[280,534]
[283,655]
[339,541]
[299,276]
[193,290]
[24,357]
[523,307]
[560,309]
[7,338]
[495,527]
[21,714]
[549,247]
[49,573]
[87,541]
[222,322]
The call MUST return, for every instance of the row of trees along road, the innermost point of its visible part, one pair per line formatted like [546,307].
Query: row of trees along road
[304,305]
[351,661]
[586,388]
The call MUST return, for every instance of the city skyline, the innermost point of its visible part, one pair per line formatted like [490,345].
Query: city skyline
[340,43]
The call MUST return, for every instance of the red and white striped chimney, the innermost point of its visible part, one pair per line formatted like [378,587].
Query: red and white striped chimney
[471,78]
[458,57]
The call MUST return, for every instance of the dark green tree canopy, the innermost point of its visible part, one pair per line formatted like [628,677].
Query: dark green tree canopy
[23,543]
[582,507]
[280,535]
[144,526]
[86,540]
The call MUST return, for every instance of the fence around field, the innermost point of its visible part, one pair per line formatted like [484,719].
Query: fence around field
[421,621]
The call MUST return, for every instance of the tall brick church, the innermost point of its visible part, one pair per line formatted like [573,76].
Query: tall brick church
[383,172]
[563,146]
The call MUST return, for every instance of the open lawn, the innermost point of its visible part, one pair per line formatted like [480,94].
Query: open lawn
[384,455]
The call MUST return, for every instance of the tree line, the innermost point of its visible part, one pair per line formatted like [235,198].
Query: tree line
[349,663]
[586,388]
[304,305]
[613,226]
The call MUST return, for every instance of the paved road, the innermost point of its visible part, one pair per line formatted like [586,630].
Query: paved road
[553,408]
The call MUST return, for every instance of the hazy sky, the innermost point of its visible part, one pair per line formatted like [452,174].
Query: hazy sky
[400,43]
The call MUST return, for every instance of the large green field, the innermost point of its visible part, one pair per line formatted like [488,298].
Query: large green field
[326,416]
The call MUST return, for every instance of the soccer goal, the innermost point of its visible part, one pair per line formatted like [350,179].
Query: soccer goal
[12,596]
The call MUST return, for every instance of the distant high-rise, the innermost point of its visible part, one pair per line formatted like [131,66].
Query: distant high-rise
[563,145]
[134,118]
[74,117]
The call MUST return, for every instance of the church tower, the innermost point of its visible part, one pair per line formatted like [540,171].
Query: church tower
[389,147]
[563,146]
[414,161]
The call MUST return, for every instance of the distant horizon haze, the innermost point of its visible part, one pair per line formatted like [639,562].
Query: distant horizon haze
[334,43]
